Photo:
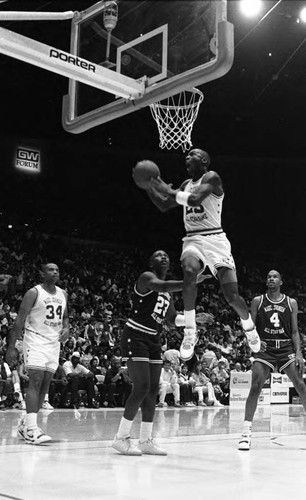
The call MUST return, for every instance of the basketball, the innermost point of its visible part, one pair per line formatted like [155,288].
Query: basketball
[143,171]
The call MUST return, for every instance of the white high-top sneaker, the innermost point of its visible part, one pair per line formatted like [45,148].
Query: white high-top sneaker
[149,447]
[189,341]
[245,442]
[125,446]
[253,339]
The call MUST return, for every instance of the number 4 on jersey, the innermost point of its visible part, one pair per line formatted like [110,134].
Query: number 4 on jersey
[275,320]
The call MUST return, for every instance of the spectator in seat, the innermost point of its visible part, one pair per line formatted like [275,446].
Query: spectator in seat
[58,387]
[90,331]
[209,355]
[172,354]
[222,375]
[219,357]
[185,386]
[203,387]
[248,365]
[100,387]
[168,384]
[117,381]
[79,378]
[5,381]
[221,396]
[237,368]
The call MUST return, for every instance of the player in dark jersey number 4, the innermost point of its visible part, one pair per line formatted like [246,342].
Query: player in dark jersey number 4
[275,316]
[141,348]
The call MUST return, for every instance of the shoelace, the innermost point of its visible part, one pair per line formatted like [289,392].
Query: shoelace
[189,339]
[252,337]
[245,438]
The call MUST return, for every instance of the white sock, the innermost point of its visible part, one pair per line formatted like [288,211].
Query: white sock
[17,387]
[124,428]
[247,324]
[145,431]
[190,321]
[247,427]
[46,397]
[211,394]
[31,420]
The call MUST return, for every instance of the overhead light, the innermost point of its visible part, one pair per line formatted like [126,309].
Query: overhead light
[303,15]
[250,8]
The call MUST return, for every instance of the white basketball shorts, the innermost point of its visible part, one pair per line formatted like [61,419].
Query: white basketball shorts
[39,356]
[213,250]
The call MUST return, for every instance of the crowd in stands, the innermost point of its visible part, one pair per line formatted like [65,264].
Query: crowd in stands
[99,282]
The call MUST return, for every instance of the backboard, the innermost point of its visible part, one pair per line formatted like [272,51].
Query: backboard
[169,45]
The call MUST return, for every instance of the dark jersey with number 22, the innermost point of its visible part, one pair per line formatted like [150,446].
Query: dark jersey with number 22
[273,319]
[148,311]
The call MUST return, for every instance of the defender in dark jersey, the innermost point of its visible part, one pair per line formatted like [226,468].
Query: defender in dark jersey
[141,348]
[275,316]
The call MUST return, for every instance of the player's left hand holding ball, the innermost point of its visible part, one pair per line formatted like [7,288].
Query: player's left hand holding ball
[161,187]
[155,192]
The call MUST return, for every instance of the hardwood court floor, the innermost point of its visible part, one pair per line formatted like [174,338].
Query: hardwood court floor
[202,463]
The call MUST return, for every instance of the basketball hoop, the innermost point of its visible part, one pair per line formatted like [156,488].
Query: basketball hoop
[175,117]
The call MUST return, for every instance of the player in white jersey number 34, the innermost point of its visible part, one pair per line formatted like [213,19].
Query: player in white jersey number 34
[43,315]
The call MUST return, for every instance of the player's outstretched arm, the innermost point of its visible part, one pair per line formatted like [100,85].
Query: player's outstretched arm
[149,281]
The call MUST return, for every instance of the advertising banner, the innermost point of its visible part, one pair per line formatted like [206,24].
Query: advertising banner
[279,388]
[240,383]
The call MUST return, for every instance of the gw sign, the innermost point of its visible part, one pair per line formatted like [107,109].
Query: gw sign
[27,159]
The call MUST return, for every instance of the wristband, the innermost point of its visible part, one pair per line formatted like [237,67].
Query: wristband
[179,320]
[182,198]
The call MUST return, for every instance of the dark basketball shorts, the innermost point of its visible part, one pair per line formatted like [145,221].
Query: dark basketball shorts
[140,346]
[277,358]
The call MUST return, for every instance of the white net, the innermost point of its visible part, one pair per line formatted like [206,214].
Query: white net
[175,117]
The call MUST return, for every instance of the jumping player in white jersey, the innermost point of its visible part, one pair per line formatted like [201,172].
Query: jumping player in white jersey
[43,315]
[275,315]
[205,243]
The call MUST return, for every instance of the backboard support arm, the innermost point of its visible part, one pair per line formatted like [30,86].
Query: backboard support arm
[74,67]
[36,16]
